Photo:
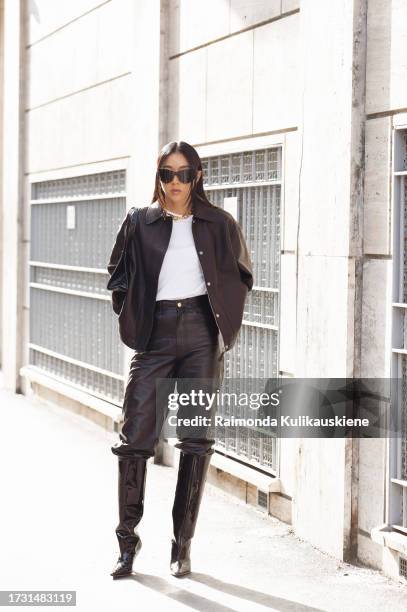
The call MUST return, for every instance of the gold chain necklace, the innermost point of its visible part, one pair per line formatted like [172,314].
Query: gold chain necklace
[175,216]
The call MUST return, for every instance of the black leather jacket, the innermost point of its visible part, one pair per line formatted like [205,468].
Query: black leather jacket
[224,258]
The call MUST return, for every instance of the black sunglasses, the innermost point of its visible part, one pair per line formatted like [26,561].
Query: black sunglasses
[185,176]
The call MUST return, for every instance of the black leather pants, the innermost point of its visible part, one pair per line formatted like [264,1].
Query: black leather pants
[183,344]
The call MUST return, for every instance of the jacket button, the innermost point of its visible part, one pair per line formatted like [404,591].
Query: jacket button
[208,283]
[201,252]
[217,315]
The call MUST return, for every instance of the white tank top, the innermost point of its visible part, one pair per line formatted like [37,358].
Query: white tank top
[181,273]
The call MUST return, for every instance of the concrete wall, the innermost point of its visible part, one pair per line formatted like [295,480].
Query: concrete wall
[386,98]
[386,60]
[328,252]
[194,24]
[213,98]
[106,88]
[1,152]
[376,318]
[93,97]
[12,278]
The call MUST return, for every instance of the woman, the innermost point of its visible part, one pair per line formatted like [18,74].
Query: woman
[190,272]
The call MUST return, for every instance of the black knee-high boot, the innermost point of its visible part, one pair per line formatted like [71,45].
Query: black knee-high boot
[192,473]
[132,480]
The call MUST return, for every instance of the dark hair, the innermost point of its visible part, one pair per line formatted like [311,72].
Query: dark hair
[194,161]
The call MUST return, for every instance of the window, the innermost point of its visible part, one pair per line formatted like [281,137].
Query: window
[398,445]
[248,184]
[73,333]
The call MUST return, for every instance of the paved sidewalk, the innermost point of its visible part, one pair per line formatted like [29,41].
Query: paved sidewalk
[59,511]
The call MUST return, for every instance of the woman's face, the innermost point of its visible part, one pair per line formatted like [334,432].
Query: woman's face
[175,191]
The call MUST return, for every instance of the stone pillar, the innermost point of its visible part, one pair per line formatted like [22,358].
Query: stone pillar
[329,255]
[13,278]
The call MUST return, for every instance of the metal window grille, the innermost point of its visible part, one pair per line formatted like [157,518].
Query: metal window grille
[73,331]
[403,566]
[254,179]
[398,445]
[262,499]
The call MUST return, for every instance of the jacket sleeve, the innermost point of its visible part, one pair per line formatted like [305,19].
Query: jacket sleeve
[241,254]
[118,246]
[118,296]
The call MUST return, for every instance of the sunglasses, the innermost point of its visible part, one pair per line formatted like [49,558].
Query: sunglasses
[185,176]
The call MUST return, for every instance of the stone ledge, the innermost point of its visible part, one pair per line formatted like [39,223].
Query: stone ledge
[269,484]
[35,375]
[386,536]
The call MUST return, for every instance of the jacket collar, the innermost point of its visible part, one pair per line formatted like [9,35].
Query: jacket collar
[199,209]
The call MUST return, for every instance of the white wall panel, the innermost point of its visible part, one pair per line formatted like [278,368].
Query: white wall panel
[93,125]
[195,23]
[289,5]
[46,16]
[92,49]
[377,211]
[386,55]
[243,13]
[376,318]
[398,79]
[187,97]
[378,55]
[229,87]
[276,79]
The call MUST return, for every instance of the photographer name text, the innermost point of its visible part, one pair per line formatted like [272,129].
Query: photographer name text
[282,421]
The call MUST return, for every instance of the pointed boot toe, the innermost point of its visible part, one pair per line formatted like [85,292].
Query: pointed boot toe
[180,568]
[124,564]
[180,559]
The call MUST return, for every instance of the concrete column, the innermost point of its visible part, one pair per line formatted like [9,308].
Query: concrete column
[1,154]
[329,255]
[13,278]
